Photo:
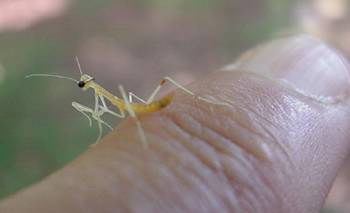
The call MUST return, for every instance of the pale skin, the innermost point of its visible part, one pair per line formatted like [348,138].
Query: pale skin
[208,158]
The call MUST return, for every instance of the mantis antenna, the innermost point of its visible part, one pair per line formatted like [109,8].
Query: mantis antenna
[79,66]
[51,75]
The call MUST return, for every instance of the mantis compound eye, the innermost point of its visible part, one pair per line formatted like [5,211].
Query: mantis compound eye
[81,84]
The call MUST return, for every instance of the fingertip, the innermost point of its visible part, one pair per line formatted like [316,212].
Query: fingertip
[305,63]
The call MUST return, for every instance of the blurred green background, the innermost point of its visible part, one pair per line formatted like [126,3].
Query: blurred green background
[129,42]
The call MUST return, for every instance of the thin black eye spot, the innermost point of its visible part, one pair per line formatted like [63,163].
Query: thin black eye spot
[81,84]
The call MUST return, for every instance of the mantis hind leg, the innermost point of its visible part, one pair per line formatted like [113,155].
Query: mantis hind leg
[176,84]
[132,113]
[150,99]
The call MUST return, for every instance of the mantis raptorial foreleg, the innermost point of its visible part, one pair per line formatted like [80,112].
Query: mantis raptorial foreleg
[96,113]
[83,109]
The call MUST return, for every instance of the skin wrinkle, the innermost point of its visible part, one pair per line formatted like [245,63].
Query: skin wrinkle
[250,185]
[204,135]
[272,195]
[218,143]
[232,190]
[180,174]
[224,172]
[172,156]
[204,194]
[246,109]
[207,139]
[245,141]
[143,192]
[289,114]
[156,204]
[229,196]
[205,153]
[203,166]
[309,114]
[197,186]
[220,146]
[209,196]
[175,178]
[200,117]
[292,100]
[214,201]
[282,149]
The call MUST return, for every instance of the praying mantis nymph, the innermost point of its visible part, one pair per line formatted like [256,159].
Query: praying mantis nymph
[124,104]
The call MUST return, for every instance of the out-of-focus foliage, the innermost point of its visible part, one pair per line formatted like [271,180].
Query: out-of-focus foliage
[132,42]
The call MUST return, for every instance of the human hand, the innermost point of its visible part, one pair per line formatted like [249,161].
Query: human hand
[276,148]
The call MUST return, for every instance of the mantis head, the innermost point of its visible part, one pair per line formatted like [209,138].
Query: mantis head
[84,80]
